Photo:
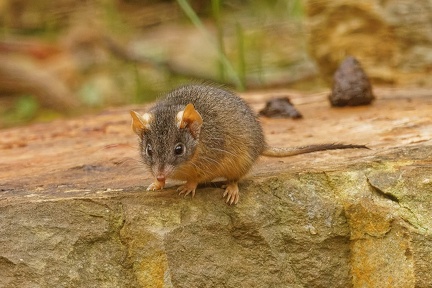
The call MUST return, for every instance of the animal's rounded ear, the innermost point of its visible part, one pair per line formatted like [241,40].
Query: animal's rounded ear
[140,123]
[191,119]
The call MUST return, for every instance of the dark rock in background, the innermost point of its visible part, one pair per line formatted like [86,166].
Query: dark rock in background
[280,108]
[351,85]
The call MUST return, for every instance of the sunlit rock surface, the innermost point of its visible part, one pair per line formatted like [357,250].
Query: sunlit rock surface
[74,211]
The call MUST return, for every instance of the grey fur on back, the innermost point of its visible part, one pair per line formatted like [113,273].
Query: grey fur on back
[225,116]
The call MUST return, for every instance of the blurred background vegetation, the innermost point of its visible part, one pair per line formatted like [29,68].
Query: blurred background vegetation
[65,57]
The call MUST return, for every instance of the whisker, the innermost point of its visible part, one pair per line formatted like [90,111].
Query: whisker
[126,161]
[116,145]
[133,169]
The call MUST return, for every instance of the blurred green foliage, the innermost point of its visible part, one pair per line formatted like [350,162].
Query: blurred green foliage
[256,41]
[24,108]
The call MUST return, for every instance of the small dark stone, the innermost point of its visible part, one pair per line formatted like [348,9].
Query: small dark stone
[351,85]
[280,108]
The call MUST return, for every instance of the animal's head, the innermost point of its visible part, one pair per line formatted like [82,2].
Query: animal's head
[168,136]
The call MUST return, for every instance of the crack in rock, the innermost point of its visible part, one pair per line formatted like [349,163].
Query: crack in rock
[382,193]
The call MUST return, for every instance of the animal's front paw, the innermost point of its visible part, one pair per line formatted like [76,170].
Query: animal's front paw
[187,188]
[155,186]
[231,193]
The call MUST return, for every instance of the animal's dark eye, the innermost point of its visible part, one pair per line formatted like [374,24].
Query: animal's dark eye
[179,149]
[149,150]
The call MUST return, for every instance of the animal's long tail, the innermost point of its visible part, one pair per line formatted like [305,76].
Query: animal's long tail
[285,152]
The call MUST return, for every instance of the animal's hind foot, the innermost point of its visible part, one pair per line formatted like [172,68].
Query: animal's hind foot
[231,193]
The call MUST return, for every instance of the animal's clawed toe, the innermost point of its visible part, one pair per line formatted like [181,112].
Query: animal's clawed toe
[185,191]
[231,193]
[155,186]
[187,188]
